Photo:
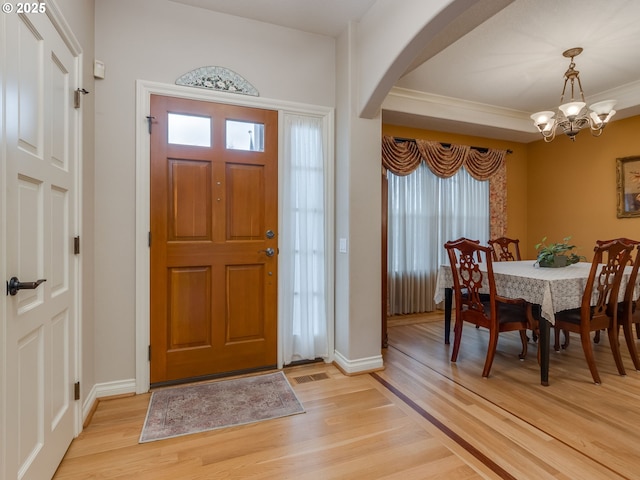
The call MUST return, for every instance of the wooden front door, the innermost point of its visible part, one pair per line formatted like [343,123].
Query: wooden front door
[213,194]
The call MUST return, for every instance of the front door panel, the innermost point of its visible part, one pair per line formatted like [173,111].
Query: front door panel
[213,282]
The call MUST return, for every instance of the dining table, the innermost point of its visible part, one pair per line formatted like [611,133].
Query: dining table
[551,289]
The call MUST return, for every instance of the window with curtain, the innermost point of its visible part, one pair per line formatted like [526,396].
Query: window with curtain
[424,212]
[302,260]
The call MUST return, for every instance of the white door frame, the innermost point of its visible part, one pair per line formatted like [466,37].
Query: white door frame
[63,28]
[144,90]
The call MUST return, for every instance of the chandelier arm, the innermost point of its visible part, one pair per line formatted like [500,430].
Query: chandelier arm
[580,86]
[549,138]
[564,89]
[596,130]
[573,96]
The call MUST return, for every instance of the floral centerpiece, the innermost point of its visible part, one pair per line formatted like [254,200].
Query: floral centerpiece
[557,254]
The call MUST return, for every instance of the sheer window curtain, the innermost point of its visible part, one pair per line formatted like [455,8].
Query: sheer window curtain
[302,259]
[424,212]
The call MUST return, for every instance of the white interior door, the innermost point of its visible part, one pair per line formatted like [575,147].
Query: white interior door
[39,344]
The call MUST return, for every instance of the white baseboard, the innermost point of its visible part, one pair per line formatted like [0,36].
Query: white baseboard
[361,365]
[109,389]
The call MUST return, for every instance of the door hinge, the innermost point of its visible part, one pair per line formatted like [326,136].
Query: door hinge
[149,239]
[149,352]
[150,120]
[77,97]
[76,391]
[76,245]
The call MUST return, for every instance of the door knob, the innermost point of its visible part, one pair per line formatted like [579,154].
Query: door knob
[269,252]
[13,285]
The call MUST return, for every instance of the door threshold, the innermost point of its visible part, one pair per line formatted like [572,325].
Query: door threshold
[214,376]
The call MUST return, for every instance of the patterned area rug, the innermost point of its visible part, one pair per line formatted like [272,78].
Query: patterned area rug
[178,411]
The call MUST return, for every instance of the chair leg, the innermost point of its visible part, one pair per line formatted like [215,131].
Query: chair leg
[614,343]
[631,344]
[556,344]
[638,330]
[457,336]
[491,352]
[525,344]
[588,354]
[596,337]
[534,325]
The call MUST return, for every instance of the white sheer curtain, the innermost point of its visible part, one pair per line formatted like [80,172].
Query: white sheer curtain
[424,212]
[302,266]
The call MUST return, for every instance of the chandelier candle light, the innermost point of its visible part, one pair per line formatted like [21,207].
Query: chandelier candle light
[574,116]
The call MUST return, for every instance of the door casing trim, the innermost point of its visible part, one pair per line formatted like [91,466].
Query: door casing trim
[144,90]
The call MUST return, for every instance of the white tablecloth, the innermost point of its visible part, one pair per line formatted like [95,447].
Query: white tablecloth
[554,289]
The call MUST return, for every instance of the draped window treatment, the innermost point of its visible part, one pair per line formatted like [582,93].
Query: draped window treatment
[436,194]
[302,292]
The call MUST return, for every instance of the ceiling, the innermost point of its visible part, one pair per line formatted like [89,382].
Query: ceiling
[511,65]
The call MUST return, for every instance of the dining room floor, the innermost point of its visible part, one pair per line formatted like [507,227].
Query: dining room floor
[569,429]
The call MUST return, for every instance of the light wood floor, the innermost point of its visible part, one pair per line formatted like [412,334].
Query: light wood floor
[420,418]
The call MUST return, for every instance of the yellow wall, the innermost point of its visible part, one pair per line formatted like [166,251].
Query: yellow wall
[572,187]
[561,188]
[516,173]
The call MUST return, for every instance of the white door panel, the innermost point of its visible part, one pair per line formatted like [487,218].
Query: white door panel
[40,341]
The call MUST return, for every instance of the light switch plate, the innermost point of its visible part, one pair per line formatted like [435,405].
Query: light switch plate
[342,245]
[98,69]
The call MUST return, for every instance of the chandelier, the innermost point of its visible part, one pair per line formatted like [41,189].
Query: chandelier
[574,115]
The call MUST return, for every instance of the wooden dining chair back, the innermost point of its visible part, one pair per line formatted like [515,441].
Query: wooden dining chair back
[629,309]
[599,307]
[624,240]
[505,249]
[631,262]
[472,271]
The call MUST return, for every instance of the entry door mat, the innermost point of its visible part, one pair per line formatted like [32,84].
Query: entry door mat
[179,411]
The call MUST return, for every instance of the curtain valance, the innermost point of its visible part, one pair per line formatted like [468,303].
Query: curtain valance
[402,158]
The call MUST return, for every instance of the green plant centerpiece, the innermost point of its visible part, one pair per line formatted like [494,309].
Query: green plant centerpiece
[557,254]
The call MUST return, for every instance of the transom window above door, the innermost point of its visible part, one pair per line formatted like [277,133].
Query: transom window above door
[191,130]
[245,136]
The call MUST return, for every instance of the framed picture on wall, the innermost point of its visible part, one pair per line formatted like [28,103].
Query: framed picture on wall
[628,175]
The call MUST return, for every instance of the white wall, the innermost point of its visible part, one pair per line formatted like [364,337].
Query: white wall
[159,40]
[358,308]
[371,56]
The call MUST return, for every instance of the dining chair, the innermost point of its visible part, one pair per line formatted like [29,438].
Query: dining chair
[497,314]
[505,249]
[596,336]
[482,296]
[629,310]
[603,284]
